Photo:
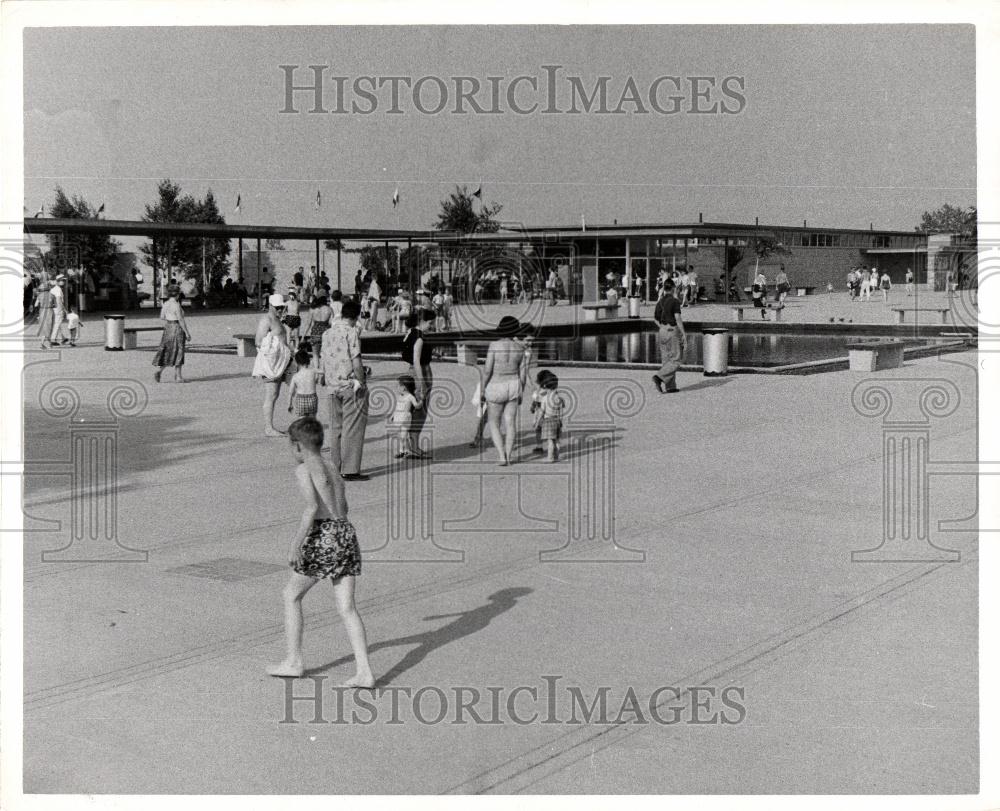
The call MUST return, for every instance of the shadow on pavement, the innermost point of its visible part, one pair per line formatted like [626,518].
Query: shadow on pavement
[465,624]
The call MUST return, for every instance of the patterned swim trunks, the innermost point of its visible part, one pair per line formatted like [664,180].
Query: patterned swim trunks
[330,550]
[305,405]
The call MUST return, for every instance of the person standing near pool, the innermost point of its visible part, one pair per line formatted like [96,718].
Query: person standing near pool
[909,282]
[759,294]
[504,378]
[885,283]
[671,340]
[273,358]
[175,335]
[783,287]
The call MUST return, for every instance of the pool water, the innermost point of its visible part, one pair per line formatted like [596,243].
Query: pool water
[761,350]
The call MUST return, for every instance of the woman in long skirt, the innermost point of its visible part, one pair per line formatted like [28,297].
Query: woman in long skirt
[175,336]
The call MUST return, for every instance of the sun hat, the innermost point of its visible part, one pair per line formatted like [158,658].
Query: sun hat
[276,300]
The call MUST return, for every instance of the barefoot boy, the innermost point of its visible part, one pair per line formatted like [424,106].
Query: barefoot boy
[325,546]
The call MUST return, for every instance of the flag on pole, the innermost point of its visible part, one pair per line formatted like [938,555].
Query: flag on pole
[101,209]
[239,199]
[479,191]
[41,210]
[319,199]
[583,222]
[395,197]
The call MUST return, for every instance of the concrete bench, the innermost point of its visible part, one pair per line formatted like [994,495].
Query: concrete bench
[900,312]
[772,307]
[871,356]
[130,339]
[600,311]
[246,345]
[465,352]
[804,291]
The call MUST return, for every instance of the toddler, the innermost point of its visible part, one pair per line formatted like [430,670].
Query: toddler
[402,416]
[302,398]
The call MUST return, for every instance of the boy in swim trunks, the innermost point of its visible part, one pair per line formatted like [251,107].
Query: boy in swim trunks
[325,545]
[302,398]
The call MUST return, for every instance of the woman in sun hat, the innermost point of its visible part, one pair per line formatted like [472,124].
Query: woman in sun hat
[174,338]
[273,357]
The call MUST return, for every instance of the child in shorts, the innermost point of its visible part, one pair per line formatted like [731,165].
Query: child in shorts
[73,325]
[325,546]
[302,398]
[536,407]
[402,416]
[551,408]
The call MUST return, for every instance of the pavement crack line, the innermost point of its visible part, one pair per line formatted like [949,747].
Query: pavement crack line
[536,764]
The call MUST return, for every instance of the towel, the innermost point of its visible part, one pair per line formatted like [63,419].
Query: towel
[272,359]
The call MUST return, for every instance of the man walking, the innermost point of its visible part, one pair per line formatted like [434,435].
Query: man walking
[671,341]
[340,356]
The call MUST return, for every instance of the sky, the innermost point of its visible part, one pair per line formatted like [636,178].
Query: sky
[841,125]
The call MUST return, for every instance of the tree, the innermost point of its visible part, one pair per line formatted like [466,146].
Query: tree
[758,246]
[92,254]
[960,259]
[274,245]
[950,219]
[458,213]
[187,255]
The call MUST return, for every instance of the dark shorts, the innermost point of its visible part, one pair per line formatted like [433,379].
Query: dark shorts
[330,550]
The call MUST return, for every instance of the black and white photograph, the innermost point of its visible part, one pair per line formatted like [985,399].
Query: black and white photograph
[561,401]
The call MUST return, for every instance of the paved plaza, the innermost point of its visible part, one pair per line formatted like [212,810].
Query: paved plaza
[700,541]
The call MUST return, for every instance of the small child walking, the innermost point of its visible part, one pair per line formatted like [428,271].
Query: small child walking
[401,420]
[302,398]
[73,325]
[325,546]
[551,407]
[536,407]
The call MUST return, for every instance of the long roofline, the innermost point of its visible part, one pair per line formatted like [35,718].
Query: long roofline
[52,225]
[714,226]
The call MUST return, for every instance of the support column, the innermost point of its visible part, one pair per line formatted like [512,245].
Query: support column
[318,268]
[239,260]
[725,268]
[258,271]
[339,283]
[156,286]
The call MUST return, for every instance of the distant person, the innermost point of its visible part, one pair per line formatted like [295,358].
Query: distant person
[758,293]
[320,316]
[417,352]
[692,286]
[909,282]
[336,304]
[611,297]
[325,546]
[73,325]
[852,278]
[447,304]
[265,284]
[550,285]
[292,320]
[58,311]
[671,340]
[885,284]
[44,304]
[873,282]
[174,338]
[782,285]
[864,285]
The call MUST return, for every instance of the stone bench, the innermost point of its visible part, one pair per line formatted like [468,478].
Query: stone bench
[900,312]
[871,356]
[772,307]
[600,311]
[804,291]
[130,339]
[246,345]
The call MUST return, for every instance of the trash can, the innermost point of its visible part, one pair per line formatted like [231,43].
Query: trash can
[114,333]
[633,306]
[715,352]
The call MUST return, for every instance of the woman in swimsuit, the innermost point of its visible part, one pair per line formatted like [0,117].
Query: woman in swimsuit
[319,319]
[503,385]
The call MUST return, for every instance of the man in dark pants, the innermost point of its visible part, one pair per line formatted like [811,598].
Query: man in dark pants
[340,356]
[671,341]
